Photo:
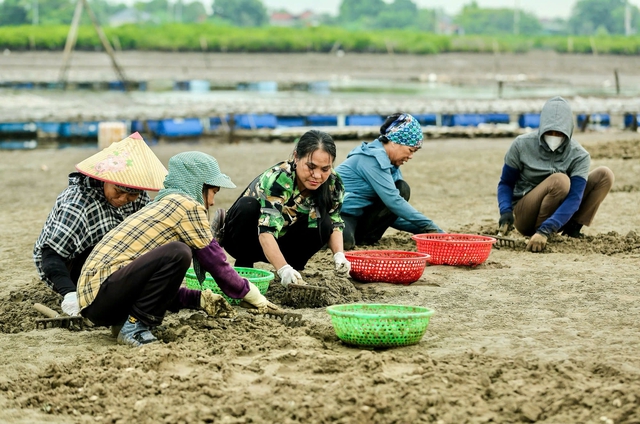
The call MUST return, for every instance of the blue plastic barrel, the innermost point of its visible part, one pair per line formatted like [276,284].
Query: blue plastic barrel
[115,86]
[215,122]
[264,86]
[138,126]
[319,87]
[529,120]
[48,129]
[24,85]
[18,144]
[181,85]
[260,86]
[79,129]
[497,118]
[322,120]
[426,119]
[199,86]
[464,120]
[364,120]
[600,119]
[628,119]
[253,121]
[189,127]
[17,128]
[290,121]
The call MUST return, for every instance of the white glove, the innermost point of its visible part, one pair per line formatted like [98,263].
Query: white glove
[257,299]
[288,275]
[343,266]
[70,304]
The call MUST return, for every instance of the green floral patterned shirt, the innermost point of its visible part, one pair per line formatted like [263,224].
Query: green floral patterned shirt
[282,203]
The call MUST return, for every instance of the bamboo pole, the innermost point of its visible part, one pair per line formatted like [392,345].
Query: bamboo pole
[72,36]
[107,46]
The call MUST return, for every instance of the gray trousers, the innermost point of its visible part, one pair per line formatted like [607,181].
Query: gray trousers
[541,202]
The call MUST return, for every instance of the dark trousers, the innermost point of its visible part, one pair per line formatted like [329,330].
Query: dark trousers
[144,289]
[298,245]
[369,227]
[75,265]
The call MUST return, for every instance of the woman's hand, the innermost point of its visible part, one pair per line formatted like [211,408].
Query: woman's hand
[257,300]
[70,304]
[288,275]
[343,266]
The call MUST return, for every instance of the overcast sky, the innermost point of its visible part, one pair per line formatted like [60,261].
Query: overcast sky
[542,8]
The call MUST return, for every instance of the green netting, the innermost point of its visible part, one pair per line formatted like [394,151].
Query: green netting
[378,325]
[260,277]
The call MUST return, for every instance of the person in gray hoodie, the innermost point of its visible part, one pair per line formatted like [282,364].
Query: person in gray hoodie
[546,186]
[376,196]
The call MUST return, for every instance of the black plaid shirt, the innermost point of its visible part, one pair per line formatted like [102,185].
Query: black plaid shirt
[80,218]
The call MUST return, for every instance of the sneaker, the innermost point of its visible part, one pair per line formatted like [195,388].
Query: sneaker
[217,225]
[134,333]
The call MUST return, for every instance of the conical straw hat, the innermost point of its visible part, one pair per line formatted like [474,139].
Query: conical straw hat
[129,163]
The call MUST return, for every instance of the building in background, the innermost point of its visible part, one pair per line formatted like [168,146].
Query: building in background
[130,16]
[285,19]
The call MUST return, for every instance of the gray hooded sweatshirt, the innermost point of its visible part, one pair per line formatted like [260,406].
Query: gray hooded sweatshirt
[529,161]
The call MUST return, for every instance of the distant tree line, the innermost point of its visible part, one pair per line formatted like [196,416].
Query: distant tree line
[588,17]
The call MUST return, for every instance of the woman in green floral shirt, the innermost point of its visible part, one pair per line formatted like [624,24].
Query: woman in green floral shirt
[288,213]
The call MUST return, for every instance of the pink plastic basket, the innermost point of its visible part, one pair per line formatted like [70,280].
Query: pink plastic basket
[389,266]
[454,249]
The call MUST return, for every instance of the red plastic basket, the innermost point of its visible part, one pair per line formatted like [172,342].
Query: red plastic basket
[454,249]
[389,266]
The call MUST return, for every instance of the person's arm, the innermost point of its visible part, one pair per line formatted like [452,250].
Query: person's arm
[274,255]
[410,227]
[193,230]
[213,260]
[382,183]
[508,180]
[578,174]
[507,183]
[55,269]
[566,209]
[335,242]
[272,250]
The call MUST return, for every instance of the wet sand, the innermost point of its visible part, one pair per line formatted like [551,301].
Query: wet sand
[524,337]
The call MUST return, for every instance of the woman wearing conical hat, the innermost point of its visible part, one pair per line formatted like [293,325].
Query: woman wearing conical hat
[110,186]
[134,274]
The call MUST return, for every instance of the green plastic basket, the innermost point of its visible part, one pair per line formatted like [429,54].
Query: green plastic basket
[260,277]
[379,325]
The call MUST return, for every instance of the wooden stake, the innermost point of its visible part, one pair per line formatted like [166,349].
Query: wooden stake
[106,45]
[594,50]
[204,47]
[72,36]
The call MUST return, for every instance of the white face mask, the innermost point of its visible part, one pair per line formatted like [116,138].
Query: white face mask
[553,141]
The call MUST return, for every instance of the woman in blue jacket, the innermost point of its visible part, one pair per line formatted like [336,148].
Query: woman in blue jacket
[376,195]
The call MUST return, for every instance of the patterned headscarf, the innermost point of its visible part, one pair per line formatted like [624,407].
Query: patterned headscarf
[405,130]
